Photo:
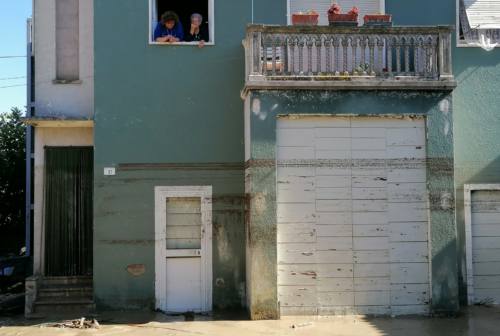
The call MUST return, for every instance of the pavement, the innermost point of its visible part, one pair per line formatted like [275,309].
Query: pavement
[473,321]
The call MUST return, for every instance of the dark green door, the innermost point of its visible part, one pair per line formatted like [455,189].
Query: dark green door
[68,211]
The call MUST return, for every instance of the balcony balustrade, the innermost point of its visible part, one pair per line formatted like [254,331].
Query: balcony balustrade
[350,57]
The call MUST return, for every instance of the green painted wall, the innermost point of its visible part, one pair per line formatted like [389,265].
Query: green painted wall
[157,104]
[176,105]
[476,107]
[124,235]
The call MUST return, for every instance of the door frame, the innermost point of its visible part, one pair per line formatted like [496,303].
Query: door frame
[39,245]
[161,194]
[468,189]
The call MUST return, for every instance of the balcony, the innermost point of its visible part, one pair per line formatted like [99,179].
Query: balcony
[322,57]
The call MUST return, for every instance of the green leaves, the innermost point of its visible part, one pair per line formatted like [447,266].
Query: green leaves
[12,174]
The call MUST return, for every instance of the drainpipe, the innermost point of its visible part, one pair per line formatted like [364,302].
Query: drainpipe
[252,12]
[29,137]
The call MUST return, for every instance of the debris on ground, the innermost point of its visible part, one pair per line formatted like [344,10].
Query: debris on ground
[301,325]
[75,324]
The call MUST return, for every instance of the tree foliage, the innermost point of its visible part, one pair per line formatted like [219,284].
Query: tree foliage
[12,171]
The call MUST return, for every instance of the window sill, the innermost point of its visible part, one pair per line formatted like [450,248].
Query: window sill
[463,44]
[191,44]
[65,81]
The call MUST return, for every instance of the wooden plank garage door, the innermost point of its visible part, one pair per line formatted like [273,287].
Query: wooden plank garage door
[486,246]
[352,216]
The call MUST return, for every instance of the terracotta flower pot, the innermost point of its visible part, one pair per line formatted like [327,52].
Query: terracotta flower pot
[336,18]
[305,19]
[342,17]
[378,20]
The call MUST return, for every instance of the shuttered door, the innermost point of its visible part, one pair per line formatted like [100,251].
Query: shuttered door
[486,246]
[322,6]
[483,14]
[352,216]
[68,211]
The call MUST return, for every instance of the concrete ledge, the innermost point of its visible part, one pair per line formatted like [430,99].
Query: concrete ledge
[57,122]
[67,81]
[280,29]
[350,83]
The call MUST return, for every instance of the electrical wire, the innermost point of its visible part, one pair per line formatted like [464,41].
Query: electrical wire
[12,56]
[10,78]
[10,86]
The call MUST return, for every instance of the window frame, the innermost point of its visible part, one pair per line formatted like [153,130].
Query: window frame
[211,27]
[462,43]
[289,15]
[58,79]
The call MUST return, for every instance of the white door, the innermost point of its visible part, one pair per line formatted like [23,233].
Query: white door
[485,249]
[183,249]
[352,216]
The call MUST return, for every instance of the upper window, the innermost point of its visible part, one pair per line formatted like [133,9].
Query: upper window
[479,23]
[67,41]
[181,22]
[322,6]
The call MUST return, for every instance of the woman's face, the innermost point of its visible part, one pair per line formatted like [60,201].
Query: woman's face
[195,21]
[170,24]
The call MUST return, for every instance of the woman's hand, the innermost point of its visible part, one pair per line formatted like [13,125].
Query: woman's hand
[201,44]
[162,39]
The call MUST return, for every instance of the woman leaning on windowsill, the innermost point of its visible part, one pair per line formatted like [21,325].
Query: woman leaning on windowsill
[197,32]
[169,29]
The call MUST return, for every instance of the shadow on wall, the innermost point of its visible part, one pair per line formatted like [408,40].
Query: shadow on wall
[468,61]
[470,173]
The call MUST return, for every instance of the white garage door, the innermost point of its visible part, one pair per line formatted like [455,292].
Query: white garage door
[486,246]
[352,216]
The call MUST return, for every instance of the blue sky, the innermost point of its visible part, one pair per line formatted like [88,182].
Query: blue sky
[13,15]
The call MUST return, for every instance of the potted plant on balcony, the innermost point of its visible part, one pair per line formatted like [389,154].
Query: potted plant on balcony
[378,20]
[336,18]
[309,18]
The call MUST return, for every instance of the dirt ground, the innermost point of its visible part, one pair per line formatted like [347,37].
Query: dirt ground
[476,321]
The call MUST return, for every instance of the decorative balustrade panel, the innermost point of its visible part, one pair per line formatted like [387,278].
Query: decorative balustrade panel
[364,53]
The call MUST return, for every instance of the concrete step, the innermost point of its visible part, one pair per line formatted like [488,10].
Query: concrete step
[54,308]
[69,291]
[66,281]
[63,301]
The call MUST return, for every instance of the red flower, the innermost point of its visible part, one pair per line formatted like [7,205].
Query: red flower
[354,11]
[335,9]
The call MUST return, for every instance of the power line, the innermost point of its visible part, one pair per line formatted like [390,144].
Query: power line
[9,78]
[10,86]
[42,82]
[12,56]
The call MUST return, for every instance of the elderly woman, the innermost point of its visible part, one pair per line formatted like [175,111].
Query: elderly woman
[169,29]
[197,32]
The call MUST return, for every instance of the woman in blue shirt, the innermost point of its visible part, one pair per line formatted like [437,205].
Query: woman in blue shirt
[169,29]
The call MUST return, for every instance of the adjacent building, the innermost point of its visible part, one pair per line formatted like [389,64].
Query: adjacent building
[279,169]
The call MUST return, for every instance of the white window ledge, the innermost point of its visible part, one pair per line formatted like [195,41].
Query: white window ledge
[463,44]
[192,44]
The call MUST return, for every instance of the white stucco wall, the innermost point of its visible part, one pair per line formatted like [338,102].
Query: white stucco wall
[67,100]
[50,136]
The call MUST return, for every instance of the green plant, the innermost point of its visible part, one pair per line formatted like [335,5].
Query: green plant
[12,179]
